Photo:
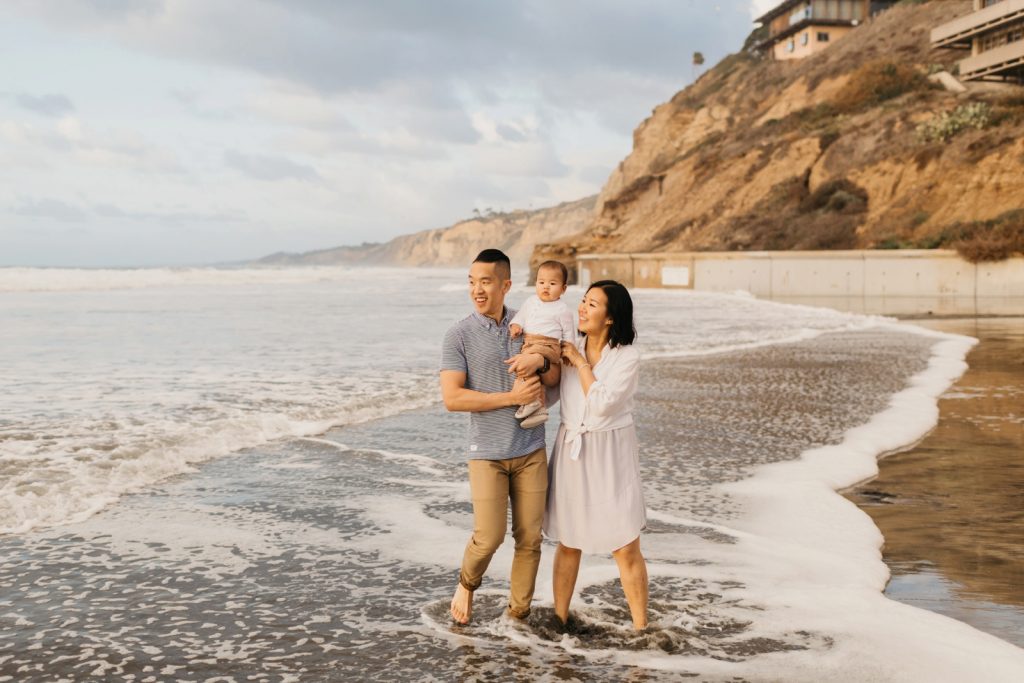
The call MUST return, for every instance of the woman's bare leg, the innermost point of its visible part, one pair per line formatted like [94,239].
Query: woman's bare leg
[633,573]
[567,567]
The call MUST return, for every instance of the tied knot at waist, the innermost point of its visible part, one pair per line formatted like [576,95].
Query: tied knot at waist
[575,437]
[574,433]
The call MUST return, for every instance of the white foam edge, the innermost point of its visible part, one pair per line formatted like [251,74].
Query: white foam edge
[93,494]
[423,463]
[816,546]
[805,581]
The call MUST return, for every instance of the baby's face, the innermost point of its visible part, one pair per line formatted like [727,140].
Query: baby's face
[550,285]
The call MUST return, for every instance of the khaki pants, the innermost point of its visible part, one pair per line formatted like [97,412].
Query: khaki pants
[492,484]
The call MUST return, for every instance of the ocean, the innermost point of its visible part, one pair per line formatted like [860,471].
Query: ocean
[247,474]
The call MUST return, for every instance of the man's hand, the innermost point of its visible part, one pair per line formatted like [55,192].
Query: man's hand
[525,364]
[515,330]
[526,390]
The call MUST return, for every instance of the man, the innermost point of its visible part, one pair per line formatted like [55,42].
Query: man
[479,363]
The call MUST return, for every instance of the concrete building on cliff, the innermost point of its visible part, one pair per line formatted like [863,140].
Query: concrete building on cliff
[994,33]
[799,28]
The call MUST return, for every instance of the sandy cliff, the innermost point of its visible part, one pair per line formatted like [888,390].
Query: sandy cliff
[851,148]
[514,232]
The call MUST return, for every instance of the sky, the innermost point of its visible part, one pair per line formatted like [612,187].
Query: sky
[190,132]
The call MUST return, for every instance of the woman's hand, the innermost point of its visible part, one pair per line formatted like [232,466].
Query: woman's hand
[525,364]
[572,355]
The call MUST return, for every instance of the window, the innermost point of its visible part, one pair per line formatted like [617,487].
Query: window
[805,37]
[994,40]
[989,3]
[799,15]
[790,45]
[822,37]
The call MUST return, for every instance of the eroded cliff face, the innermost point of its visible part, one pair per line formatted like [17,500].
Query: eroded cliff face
[516,233]
[821,153]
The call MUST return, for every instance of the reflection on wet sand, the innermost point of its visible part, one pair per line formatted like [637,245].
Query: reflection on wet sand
[952,508]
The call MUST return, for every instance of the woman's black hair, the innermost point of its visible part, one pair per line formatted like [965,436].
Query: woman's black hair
[620,310]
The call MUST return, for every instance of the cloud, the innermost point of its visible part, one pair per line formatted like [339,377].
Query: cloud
[594,175]
[271,168]
[171,217]
[67,212]
[297,107]
[386,117]
[49,208]
[510,133]
[363,48]
[68,139]
[47,105]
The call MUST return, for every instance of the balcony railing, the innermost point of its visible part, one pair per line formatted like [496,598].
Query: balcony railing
[993,62]
[960,31]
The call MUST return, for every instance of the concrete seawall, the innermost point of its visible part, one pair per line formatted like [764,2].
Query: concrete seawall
[897,282]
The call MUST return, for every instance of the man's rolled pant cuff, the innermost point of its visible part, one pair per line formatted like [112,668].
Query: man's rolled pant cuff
[465,584]
[518,614]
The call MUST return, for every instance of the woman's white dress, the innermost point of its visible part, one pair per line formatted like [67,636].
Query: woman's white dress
[595,502]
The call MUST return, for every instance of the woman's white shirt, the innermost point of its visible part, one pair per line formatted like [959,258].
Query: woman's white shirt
[609,403]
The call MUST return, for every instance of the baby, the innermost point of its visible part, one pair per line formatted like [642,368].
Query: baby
[547,322]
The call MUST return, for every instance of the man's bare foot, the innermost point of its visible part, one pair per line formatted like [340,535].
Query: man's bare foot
[462,605]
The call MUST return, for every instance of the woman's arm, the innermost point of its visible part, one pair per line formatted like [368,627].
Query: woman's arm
[576,359]
[617,385]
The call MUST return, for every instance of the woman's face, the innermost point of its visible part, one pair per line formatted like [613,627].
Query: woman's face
[593,312]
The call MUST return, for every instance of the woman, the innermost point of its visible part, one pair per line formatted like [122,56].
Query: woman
[595,503]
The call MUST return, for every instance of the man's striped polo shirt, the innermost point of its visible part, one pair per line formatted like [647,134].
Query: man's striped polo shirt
[478,346]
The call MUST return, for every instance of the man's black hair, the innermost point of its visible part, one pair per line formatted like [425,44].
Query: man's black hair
[497,257]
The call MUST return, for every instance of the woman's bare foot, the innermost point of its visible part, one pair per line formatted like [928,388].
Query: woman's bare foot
[462,605]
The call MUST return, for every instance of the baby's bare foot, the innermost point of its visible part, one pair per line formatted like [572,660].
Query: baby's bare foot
[462,605]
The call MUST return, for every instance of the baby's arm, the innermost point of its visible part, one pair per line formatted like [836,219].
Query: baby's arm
[568,325]
[518,322]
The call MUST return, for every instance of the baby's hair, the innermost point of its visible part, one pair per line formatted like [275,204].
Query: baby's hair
[560,266]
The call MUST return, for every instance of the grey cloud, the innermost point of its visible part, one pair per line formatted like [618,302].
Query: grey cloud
[47,105]
[596,175]
[49,208]
[270,168]
[191,101]
[361,47]
[171,217]
[510,133]
[444,126]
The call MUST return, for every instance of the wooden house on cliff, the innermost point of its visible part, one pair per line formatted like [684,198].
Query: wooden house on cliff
[798,28]
[994,34]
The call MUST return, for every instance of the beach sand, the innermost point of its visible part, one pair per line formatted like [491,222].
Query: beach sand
[952,508]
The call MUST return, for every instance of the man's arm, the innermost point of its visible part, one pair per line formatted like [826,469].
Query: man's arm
[552,377]
[459,399]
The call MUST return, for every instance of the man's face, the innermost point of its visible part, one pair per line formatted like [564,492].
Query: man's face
[487,289]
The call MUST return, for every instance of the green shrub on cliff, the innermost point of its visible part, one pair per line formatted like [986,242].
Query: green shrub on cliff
[943,126]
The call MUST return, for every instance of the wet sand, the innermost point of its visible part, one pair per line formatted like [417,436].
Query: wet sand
[952,508]
[333,558]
